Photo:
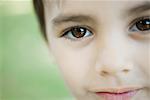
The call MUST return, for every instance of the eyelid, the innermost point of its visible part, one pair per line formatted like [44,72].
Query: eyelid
[69,28]
[139,35]
[132,23]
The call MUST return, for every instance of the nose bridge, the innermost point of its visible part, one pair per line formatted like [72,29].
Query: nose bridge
[112,55]
[114,50]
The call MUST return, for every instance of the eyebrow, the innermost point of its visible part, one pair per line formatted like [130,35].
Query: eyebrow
[140,8]
[60,19]
[72,18]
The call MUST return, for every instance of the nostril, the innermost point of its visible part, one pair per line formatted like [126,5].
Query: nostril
[125,70]
[104,73]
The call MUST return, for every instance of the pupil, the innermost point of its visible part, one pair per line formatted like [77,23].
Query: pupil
[143,25]
[78,32]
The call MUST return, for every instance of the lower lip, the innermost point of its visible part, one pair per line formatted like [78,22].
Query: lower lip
[117,96]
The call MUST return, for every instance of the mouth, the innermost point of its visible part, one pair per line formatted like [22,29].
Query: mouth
[118,93]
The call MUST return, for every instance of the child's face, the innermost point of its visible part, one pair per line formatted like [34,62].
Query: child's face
[102,47]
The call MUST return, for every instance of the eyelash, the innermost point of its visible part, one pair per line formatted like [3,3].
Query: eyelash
[87,29]
[133,29]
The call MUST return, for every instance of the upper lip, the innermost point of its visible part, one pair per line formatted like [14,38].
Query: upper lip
[117,89]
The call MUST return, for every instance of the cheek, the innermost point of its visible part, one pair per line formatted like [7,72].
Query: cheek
[74,63]
[142,58]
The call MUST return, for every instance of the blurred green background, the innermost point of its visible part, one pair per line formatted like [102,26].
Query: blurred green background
[27,70]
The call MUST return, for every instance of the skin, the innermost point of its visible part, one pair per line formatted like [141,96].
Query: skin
[112,57]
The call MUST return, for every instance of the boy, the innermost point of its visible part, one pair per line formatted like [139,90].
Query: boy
[101,47]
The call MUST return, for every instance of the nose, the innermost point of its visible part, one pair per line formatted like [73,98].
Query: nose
[107,71]
[113,58]
[111,62]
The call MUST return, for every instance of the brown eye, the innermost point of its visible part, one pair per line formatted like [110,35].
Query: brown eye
[140,29]
[77,32]
[143,25]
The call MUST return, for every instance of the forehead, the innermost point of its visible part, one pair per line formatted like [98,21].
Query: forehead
[97,5]
[91,6]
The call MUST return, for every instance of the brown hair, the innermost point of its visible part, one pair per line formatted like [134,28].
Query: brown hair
[39,10]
